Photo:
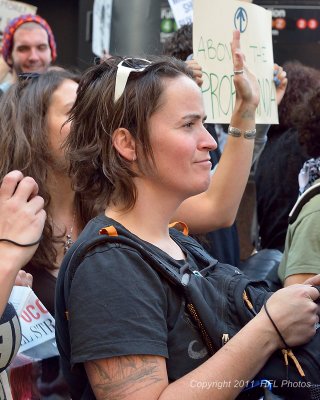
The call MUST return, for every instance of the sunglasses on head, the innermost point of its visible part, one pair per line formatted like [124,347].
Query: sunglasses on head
[124,68]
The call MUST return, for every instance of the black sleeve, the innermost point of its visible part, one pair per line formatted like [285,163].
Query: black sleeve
[117,306]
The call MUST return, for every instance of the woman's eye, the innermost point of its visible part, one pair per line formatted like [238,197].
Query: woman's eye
[188,125]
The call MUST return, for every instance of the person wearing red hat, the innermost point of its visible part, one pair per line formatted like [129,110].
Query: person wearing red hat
[28,45]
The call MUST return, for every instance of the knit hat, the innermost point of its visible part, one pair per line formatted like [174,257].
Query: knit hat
[15,23]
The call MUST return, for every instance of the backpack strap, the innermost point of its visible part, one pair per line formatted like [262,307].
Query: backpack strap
[111,235]
[302,200]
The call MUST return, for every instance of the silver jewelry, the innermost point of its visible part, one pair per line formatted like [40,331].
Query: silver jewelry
[68,240]
[235,132]
[239,72]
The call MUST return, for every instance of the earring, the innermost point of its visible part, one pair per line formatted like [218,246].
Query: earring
[134,158]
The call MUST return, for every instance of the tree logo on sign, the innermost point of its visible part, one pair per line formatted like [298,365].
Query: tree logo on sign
[241,19]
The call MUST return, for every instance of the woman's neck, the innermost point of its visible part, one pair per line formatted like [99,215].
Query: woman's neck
[149,220]
[62,213]
[61,194]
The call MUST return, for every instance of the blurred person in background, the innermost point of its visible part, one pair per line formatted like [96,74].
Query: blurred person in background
[282,158]
[28,46]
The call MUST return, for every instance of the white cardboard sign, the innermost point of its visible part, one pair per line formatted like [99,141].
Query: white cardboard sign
[37,324]
[182,11]
[213,24]
[102,12]
[11,9]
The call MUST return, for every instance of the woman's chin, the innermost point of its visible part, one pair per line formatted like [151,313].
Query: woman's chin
[200,188]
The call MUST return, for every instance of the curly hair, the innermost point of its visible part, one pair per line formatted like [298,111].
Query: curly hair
[307,117]
[301,79]
[24,146]
[96,167]
[179,45]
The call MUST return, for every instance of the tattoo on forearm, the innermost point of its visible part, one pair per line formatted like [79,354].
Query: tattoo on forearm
[248,114]
[117,378]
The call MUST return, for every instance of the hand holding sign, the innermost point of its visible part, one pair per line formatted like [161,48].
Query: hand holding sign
[211,33]
[196,70]
[23,279]
[281,82]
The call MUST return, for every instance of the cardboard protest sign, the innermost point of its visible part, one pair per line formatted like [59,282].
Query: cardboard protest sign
[12,9]
[102,11]
[213,24]
[35,370]
[182,11]
[37,324]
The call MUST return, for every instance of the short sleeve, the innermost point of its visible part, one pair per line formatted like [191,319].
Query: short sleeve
[117,306]
[304,254]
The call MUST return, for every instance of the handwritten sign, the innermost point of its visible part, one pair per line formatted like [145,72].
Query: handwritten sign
[182,11]
[12,9]
[102,11]
[212,34]
[37,324]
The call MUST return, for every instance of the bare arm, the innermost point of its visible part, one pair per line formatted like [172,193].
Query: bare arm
[297,278]
[140,377]
[218,206]
[21,219]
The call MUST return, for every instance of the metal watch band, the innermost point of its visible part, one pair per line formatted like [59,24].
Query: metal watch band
[235,132]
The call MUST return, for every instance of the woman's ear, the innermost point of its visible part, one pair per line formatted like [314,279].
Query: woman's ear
[124,143]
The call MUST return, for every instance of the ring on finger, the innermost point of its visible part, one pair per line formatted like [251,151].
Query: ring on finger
[239,72]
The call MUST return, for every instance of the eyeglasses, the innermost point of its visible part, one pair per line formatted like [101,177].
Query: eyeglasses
[124,68]
[26,76]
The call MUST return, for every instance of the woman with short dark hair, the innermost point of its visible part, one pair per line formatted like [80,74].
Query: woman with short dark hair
[138,143]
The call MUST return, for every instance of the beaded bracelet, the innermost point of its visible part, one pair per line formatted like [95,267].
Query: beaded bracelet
[235,132]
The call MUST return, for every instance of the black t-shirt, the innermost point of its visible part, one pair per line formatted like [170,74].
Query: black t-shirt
[118,305]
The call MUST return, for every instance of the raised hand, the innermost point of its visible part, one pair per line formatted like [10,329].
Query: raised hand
[281,81]
[21,217]
[196,70]
[246,84]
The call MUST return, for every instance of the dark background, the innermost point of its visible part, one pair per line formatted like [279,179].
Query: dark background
[136,29]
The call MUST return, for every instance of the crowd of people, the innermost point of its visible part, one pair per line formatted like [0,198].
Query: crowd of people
[125,144]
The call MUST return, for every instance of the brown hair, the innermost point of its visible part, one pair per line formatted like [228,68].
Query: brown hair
[24,145]
[96,167]
[179,44]
[308,123]
[301,79]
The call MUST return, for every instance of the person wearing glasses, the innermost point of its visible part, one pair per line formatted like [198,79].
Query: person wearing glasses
[138,143]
